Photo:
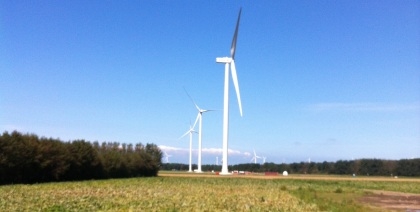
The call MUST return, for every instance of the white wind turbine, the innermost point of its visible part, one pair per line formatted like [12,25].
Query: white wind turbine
[200,134]
[229,60]
[255,157]
[264,158]
[167,157]
[190,131]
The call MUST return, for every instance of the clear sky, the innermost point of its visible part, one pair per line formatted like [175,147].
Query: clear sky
[324,80]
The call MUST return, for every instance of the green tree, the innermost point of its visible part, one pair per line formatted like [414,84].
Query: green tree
[84,162]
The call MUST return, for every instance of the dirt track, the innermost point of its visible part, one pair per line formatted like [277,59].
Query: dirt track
[395,201]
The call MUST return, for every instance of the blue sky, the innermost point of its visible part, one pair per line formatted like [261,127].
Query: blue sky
[325,80]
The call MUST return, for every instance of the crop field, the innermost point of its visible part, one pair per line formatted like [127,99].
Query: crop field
[173,191]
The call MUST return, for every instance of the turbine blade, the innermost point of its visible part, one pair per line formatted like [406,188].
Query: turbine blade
[196,120]
[236,84]
[192,100]
[235,36]
[203,111]
[184,134]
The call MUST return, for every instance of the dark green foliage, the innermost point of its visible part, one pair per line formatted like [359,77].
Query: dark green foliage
[342,167]
[252,167]
[26,158]
[185,167]
[325,167]
[83,161]
[408,167]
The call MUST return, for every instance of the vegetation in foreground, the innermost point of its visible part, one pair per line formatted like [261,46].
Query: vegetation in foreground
[195,194]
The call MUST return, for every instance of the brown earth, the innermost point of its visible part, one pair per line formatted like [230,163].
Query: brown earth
[393,201]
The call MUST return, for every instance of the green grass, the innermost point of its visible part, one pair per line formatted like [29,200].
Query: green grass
[194,194]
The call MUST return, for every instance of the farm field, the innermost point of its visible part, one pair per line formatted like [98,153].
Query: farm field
[180,191]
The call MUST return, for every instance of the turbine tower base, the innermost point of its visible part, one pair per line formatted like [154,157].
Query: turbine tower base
[225,173]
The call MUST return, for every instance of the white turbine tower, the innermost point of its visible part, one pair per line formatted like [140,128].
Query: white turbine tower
[200,134]
[229,60]
[255,157]
[167,157]
[190,131]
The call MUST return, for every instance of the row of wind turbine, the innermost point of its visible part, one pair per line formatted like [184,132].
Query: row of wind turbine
[229,67]
[255,157]
[200,132]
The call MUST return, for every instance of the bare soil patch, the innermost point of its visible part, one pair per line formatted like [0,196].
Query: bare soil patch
[393,201]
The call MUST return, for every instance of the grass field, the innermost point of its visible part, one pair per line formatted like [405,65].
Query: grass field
[178,191]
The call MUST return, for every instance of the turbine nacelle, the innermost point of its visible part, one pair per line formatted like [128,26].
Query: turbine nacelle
[224,60]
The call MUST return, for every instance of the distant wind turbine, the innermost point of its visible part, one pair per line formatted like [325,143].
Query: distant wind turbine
[255,157]
[264,158]
[167,157]
[229,60]
[190,131]
[200,134]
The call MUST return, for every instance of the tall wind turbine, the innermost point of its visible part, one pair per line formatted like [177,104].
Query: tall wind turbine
[199,118]
[190,131]
[229,60]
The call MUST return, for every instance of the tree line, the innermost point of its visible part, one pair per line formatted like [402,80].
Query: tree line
[365,167]
[27,158]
